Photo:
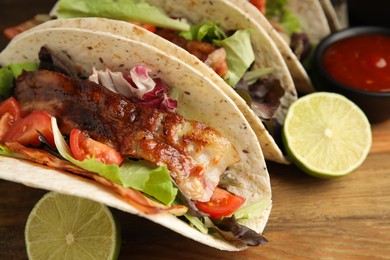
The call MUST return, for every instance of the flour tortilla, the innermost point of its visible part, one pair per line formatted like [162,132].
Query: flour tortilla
[230,17]
[206,102]
[337,19]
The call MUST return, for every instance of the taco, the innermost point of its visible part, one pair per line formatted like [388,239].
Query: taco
[230,42]
[298,73]
[300,23]
[121,122]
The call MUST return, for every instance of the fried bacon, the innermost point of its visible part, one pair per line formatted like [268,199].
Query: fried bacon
[12,31]
[133,197]
[195,154]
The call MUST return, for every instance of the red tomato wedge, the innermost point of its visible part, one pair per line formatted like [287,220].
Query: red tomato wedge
[9,113]
[83,147]
[259,4]
[25,130]
[221,204]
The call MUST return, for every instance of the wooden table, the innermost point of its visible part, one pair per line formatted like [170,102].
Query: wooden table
[345,218]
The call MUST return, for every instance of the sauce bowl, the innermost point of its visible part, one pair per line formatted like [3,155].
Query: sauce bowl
[366,62]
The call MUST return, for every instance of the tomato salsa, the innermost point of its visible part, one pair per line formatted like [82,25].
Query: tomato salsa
[361,62]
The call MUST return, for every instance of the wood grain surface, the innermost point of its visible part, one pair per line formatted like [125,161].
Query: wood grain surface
[345,218]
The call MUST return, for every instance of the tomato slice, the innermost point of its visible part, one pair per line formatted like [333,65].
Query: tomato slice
[221,204]
[83,147]
[146,26]
[9,113]
[259,4]
[25,130]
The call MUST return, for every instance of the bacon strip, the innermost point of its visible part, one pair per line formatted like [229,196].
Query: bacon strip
[131,196]
[12,31]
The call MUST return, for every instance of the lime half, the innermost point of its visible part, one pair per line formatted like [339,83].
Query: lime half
[67,227]
[326,135]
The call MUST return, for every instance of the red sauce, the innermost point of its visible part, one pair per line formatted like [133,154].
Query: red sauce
[361,62]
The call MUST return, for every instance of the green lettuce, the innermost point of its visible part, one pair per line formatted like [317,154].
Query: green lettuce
[252,76]
[9,73]
[239,54]
[252,210]
[139,175]
[290,22]
[125,10]
[206,32]
[278,11]
[152,180]
[196,222]
[7,152]
[275,8]
[238,47]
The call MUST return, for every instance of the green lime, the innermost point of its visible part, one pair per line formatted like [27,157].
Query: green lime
[326,135]
[67,227]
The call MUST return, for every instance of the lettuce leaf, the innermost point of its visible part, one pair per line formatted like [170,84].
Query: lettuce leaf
[197,223]
[125,10]
[275,8]
[239,54]
[9,73]
[152,180]
[6,82]
[7,152]
[252,210]
[278,11]
[238,47]
[290,22]
[139,175]
[252,76]
[206,32]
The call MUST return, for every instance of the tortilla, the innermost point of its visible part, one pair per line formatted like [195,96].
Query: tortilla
[88,49]
[337,18]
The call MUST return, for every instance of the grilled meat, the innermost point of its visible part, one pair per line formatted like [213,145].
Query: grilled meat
[195,154]
[197,48]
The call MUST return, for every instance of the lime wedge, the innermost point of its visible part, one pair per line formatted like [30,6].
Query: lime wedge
[67,227]
[326,135]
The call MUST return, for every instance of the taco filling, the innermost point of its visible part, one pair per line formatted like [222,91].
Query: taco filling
[121,130]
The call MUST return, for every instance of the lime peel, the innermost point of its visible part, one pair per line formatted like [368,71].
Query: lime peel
[326,135]
[68,227]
